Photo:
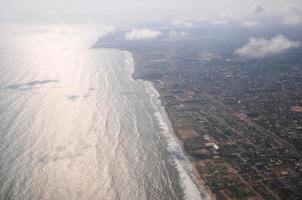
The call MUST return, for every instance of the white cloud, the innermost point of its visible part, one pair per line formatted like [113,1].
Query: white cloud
[142,34]
[292,19]
[256,8]
[182,22]
[229,14]
[219,22]
[293,15]
[260,48]
[175,34]
[250,24]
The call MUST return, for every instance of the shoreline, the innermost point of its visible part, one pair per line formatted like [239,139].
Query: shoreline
[236,119]
[197,179]
[204,190]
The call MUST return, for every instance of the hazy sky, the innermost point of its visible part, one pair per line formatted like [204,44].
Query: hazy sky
[128,10]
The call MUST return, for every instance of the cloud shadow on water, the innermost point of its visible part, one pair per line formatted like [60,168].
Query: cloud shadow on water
[72,97]
[30,85]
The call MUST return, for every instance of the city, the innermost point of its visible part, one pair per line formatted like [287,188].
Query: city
[238,120]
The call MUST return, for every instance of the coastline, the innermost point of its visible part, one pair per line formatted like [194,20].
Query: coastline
[204,190]
[235,119]
[138,73]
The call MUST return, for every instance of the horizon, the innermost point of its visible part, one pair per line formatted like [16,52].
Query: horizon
[128,12]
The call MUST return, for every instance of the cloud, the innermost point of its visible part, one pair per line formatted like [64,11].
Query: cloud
[175,34]
[220,22]
[229,14]
[260,48]
[250,24]
[185,22]
[292,19]
[256,8]
[293,15]
[142,34]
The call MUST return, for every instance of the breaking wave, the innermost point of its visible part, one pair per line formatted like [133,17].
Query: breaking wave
[177,156]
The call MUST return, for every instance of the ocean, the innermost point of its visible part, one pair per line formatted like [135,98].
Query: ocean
[74,124]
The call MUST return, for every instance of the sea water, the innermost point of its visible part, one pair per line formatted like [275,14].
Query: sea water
[74,124]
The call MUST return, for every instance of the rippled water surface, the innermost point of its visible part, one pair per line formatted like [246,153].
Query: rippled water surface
[75,125]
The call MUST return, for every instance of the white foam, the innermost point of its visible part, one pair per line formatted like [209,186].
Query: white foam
[129,64]
[179,159]
[183,165]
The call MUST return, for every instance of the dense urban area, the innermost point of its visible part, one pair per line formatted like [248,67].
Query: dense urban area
[239,120]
